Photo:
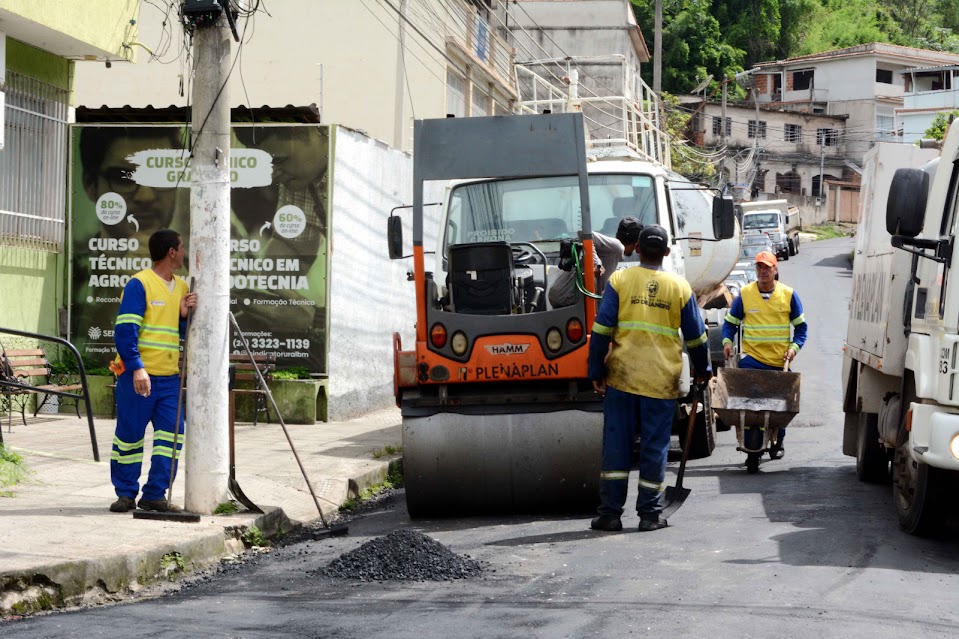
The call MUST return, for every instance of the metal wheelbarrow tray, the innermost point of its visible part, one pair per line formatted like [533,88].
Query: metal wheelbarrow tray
[748,398]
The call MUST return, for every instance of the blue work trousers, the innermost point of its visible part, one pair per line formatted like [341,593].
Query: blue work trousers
[134,412]
[622,413]
[751,440]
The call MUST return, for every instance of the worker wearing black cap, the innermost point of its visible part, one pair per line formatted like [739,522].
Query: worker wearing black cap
[635,362]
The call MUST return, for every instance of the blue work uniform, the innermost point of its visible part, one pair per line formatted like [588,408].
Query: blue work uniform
[147,335]
[642,312]
[766,319]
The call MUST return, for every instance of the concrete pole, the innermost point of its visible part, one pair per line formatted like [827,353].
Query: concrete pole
[207,441]
[722,122]
[400,136]
[658,50]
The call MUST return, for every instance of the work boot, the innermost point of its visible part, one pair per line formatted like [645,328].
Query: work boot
[122,505]
[609,523]
[648,523]
[158,505]
[776,452]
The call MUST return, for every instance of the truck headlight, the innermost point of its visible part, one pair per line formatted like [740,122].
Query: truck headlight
[954,446]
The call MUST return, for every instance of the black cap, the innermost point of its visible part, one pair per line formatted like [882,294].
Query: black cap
[653,239]
[628,231]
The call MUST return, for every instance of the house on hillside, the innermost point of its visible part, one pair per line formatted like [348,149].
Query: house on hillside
[773,152]
[928,92]
[864,83]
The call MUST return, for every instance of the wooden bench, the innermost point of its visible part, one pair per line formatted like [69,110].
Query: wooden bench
[241,370]
[21,366]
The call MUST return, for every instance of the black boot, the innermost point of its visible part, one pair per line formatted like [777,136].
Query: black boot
[649,523]
[609,523]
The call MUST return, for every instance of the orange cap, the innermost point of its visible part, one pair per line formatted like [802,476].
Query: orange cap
[767,258]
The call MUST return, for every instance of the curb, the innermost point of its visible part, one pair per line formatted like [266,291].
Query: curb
[100,581]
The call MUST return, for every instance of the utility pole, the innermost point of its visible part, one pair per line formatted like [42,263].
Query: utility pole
[207,397]
[399,122]
[722,124]
[658,50]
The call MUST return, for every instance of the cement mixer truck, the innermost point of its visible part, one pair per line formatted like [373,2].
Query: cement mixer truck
[901,364]
[498,415]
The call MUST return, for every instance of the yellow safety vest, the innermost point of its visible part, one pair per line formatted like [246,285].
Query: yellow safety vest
[766,326]
[159,335]
[647,349]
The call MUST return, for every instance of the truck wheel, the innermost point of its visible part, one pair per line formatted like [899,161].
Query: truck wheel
[704,436]
[918,491]
[872,463]
[792,248]
[796,246]
[785,256]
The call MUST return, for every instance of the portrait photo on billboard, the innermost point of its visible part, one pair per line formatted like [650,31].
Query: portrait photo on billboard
[131,180]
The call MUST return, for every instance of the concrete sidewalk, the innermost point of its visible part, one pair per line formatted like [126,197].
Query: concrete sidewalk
[60,545]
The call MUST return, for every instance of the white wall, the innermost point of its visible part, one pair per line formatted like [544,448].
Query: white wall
[356,42]
[369,295]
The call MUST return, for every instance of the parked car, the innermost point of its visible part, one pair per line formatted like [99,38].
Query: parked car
[754,244]
[749,268]
[735,281]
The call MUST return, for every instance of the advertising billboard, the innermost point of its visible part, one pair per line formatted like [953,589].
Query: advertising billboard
[129,181]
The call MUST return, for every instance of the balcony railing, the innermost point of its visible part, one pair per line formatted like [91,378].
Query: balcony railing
[620,120]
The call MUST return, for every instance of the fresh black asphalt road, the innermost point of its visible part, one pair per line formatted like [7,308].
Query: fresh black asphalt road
[801,549]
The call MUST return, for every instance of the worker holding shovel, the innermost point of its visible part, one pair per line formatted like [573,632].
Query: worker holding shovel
[635,362]
[150,322]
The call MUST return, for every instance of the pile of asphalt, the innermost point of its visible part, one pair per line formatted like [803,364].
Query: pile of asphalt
[403,555]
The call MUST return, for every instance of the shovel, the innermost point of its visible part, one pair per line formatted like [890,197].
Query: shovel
[676,495]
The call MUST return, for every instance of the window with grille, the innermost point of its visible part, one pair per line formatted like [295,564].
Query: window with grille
[717,125]
[757,129]
[793,133]
[827,137]
[885,127]
[33,164]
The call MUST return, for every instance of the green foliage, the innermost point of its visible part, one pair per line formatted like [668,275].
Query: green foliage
[389,449]
[723,36]
[172,563]
[293,372]
[254,537]
[827,231]
[686,160]
[937,130]
[12,470]
[226,508]
[693,46]
[393,480]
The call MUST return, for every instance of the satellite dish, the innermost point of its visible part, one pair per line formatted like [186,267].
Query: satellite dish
[702,85]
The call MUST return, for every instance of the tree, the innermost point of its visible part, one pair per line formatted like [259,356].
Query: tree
[693,46]
[937,130]
[687,161]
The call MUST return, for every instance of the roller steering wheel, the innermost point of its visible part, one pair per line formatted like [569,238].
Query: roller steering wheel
[523,252]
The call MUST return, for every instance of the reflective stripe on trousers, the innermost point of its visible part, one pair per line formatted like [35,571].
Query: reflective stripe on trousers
[622,414]
[133,414]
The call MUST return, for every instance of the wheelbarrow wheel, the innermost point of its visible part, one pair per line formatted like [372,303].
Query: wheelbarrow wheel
[752,463]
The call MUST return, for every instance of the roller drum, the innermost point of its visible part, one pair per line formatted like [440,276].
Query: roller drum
[456,464]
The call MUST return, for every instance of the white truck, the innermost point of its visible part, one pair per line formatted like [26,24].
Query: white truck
[775,219]
[901,355]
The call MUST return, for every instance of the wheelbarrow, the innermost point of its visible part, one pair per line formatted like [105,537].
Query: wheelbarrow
[756,401]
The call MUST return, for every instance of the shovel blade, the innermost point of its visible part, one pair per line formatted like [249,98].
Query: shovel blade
[237,492]
[674,500]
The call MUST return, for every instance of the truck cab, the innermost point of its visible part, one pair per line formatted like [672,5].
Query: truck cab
[901,364]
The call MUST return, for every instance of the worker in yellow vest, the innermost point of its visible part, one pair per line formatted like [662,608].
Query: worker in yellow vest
[635,362]
[149,325]
[774,330]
